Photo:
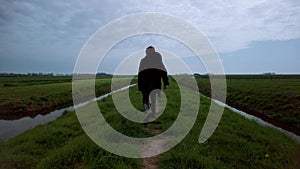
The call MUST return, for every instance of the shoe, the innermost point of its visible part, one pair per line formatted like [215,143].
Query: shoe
[153,115]
[149,115]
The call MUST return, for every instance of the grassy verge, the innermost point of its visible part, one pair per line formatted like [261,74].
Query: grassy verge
[277,97]
[30,96]
[59,144]
[237,142]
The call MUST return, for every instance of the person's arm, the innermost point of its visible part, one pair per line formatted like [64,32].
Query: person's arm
[165,79]
[164,73]
[139,81]
[140,76]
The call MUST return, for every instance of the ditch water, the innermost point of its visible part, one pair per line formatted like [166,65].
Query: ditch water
[11,128]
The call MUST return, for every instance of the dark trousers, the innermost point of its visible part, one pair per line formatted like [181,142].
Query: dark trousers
[152,95]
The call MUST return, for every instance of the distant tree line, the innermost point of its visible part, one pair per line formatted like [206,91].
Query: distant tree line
[26,74]
[44,74]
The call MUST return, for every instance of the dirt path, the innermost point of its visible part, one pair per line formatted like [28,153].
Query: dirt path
[152,147]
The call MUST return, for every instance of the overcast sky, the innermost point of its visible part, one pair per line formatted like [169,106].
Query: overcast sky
[250,36]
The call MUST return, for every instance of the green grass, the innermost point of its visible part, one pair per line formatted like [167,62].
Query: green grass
[30,96]
[236,143]
[59,144]
[277,96]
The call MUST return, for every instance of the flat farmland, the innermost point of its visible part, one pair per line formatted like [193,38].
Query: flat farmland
[30,96]
[236,143]
[274,97]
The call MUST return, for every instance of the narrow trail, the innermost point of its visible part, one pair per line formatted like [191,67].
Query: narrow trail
[152,147]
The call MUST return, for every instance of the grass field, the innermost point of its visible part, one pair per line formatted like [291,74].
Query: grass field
[277,96]
[237,142]
[30,96]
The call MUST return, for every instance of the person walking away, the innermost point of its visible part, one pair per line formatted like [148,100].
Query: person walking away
[151,71]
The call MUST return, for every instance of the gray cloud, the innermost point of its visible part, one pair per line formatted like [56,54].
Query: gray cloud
[237,22]
[56,30]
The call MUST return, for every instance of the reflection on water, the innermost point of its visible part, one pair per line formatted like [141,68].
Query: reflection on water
[11,128]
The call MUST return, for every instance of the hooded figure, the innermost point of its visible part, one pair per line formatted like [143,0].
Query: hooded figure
[151,71]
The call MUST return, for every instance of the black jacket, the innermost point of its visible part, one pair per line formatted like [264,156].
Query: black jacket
[151,71]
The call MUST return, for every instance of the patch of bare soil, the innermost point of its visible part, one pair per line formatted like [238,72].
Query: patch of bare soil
[154,147]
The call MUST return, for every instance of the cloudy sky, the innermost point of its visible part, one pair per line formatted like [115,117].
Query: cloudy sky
[249,36]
